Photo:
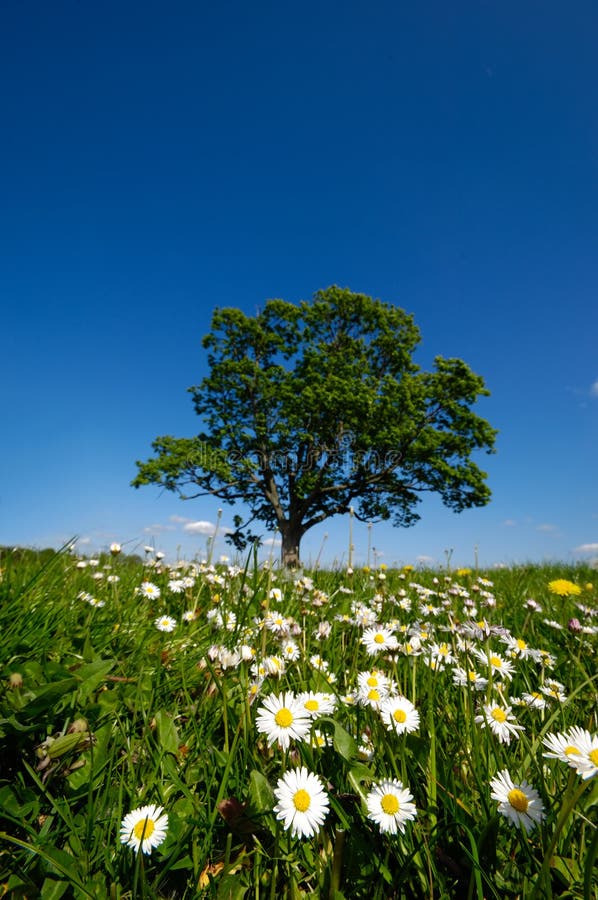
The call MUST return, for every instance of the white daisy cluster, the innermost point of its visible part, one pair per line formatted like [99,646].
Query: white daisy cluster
[449,630]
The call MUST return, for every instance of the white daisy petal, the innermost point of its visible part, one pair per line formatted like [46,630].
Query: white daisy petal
[520,804]
[390,806]
[302,802]
[144,828]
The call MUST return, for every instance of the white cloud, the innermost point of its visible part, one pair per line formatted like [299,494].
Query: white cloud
[180,520]
[157,529]
[594,389]
[586,548]
[510,523]
[201,527]
[205,527]
[425,559]
[546,528]
[271,542]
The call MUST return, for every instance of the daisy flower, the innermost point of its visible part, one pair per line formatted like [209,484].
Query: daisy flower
[499,666]
[372,697]
[275,665]
[577,747]
[500,721]
[302,802]
[516,647]
[282,718]
[554,690]
[323,630]
[377,640]
[389,806]
[365,749]
[565,746]
[399,714]
[587,765]
[441,653]
[317,703]
[319,739]
[149,590]
[374,679]
[533,605]
[276,623]
[519,803]
[144,828]
[165,623]
[290,651]
[319,663]
[463,677]
[534,699]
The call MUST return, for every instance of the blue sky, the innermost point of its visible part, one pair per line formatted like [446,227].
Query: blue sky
[160,160]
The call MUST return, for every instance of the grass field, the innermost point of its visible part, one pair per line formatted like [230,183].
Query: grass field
[368,734]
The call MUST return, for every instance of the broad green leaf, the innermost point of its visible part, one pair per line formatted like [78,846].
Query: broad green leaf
[168,737]
[93,674]
[230,887]
[46,697]
[52,889]
[261,795]
[344,743]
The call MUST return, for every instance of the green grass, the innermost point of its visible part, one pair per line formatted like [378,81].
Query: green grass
[101,713]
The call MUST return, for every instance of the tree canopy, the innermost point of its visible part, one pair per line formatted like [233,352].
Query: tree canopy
[312,409]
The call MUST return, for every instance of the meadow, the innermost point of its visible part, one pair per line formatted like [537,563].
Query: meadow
[238,731]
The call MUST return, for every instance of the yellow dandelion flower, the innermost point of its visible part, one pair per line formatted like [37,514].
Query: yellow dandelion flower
[564,588]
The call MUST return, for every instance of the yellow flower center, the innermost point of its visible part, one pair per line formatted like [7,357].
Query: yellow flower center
[499,715]
[593,754]
[472,676]
[399,715]
[521,645]
[372,681]
[570,750]
[312,705]
[495,661]
[374,695]
[389,804]
[302,800]
[443,650]
[144,829]
[518,800]
[379,638]
[283,717]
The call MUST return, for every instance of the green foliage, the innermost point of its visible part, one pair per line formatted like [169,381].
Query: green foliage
[313,409]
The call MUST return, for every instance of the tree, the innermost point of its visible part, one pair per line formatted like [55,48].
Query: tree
[313,409]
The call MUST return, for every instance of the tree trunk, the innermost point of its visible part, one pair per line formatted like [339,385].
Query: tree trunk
[291,538]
